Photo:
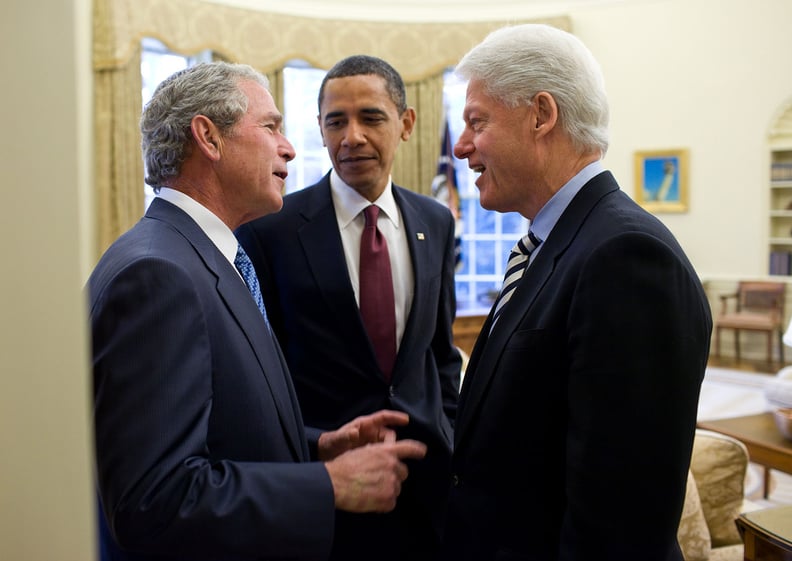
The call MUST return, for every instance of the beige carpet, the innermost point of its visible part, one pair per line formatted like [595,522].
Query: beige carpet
[733,393]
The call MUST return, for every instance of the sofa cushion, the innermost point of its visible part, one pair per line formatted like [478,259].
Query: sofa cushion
[693,534]
[727,553]
[718,465]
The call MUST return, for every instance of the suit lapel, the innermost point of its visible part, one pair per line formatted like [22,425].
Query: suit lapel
[267,352]
[490,346]
[416,230]
[232,291]
[324,252]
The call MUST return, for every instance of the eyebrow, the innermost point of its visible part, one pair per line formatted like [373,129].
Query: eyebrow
[277,118]
[364,111]
[473,113]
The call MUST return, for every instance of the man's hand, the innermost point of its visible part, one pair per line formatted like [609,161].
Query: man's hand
[367,429]
[369,479]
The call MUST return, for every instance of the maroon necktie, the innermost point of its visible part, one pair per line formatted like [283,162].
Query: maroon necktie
[377,306]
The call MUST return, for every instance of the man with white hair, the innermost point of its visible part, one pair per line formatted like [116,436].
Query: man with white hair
[578,409]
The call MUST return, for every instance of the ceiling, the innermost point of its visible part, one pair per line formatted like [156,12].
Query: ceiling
[418,10]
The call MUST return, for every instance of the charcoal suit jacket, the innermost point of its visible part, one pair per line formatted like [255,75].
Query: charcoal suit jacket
[300,261]
[200,446]
[578,409]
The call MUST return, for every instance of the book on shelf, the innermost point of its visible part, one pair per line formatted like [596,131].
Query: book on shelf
[780,262]
[781,171]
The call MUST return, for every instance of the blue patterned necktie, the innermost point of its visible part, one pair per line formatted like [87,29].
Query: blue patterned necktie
[518,262]
[245,268]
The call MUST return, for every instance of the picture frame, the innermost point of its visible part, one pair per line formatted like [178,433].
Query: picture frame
[661,179]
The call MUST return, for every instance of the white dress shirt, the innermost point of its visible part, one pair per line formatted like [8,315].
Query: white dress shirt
[349,205]
[217,231]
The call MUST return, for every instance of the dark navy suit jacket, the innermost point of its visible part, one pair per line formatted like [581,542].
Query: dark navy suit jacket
[300,262]
[577,412]
[201,451]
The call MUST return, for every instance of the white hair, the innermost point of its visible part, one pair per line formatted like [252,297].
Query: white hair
[515,63]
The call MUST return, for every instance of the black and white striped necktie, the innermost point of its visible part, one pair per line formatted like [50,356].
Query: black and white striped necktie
[518,262]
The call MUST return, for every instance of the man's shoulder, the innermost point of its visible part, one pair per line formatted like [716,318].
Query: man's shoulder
[306,194]
[150,248]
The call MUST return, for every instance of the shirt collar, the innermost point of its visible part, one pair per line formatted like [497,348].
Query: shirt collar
[349,203]
[548,215]
[217,231]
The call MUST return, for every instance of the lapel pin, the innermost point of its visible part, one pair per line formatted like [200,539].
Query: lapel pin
[420,235]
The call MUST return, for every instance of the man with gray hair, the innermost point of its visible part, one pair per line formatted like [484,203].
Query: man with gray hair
[578,409]
[200,446]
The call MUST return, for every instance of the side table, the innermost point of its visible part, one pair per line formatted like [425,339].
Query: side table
[767,534]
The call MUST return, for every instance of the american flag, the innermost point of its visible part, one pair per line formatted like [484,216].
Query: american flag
[444,189]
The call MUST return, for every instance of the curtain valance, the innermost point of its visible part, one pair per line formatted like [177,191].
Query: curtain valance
[268,40]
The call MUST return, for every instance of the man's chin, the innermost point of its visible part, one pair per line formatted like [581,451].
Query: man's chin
[276,204]
[270,205]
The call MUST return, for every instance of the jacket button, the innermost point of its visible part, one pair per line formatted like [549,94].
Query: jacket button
[455,480]
[391,391]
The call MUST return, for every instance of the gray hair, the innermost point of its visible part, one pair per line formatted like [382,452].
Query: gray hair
[210,89]
[364,65]
[515,63]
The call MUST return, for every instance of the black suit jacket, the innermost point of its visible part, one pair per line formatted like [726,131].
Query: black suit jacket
[578,410]
[300,262]
[200,447]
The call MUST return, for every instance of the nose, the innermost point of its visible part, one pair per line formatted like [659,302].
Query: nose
[353,134]
[286,150]
[464,146]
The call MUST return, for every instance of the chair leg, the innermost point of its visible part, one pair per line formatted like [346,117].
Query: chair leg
[717,341]
[737,344]
[781,348]
[769,347]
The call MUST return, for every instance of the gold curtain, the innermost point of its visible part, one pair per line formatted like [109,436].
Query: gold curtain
[416,161]
[275,78]
[118,161]
[266,41]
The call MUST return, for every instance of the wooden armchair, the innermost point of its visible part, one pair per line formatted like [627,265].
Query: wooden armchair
[759,307]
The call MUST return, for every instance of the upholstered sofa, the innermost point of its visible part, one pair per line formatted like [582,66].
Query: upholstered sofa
[715,497]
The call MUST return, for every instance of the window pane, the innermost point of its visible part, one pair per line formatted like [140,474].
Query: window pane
[301,90]
[486,257]
[513,223]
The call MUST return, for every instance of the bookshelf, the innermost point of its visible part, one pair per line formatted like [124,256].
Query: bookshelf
[780,203]
[780,211]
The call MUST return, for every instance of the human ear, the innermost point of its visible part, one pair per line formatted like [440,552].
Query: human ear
[206,137]
[408,123]
[545,111]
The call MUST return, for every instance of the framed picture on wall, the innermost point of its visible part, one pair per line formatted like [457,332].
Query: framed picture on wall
[661,180]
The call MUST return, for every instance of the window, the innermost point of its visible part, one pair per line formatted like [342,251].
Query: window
[301,86]
[486,236]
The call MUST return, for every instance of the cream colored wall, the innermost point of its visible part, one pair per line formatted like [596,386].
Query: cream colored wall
[46,498]
[710,76]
